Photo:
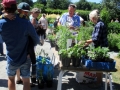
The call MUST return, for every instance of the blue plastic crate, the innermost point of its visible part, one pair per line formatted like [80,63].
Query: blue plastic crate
[100,65]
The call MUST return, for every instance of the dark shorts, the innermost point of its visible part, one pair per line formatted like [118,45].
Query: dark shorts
[24,69]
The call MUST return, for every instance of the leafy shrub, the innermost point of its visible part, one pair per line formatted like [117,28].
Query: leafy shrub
[113,27]
[118,55]
[105,15]
[114,41]
[85,33]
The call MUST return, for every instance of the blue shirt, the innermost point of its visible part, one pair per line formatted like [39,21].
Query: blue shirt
[74,21]
[99,35]
[15,35]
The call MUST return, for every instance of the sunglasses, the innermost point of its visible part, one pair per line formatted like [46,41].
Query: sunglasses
[37,12]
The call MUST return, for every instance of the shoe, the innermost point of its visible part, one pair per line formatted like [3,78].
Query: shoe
[19,82]
[2,54]
[32,85]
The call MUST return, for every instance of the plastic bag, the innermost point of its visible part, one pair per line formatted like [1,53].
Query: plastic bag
[44,68]
[85,77]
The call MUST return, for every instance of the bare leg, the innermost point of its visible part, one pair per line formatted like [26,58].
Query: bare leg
[18,75]
[26,84]
[11,83]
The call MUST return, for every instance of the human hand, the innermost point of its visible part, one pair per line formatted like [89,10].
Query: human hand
[71,27]
[81,42]
[9,16]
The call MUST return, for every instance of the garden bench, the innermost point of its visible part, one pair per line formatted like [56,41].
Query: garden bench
[82,68]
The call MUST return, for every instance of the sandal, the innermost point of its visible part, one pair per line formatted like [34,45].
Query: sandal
[19,82]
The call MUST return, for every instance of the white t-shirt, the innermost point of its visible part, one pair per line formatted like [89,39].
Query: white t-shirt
[81,19]
[44,22]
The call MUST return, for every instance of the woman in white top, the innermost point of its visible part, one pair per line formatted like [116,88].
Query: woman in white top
[43,21]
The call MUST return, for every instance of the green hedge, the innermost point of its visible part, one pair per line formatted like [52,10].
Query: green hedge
[83,14]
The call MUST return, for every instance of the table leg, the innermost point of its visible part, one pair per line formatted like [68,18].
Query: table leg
[110,81]
[106,74]
[59,86]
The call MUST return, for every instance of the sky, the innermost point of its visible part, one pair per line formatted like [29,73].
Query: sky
[97,1]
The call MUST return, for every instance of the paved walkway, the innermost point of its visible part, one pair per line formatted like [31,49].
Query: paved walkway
[68,83]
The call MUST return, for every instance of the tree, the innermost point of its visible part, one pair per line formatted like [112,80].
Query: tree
[58,4]
[30,2]
[105,15]
[44,2]
[83,5]
[113,7]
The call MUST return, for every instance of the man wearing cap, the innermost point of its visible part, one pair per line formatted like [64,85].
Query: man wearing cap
[15,34]
[23,9]
[70,19]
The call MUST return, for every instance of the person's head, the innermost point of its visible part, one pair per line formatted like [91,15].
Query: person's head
[35,12]
[9,6]
[44,15]
[23,8]
[71,9]
[94,16]
[116,18]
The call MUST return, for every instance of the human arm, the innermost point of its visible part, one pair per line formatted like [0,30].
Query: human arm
[32,33]
[87,42]
[10,16]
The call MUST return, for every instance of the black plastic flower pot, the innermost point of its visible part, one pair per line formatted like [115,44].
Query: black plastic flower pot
[76,61]
[66,62]
[52,43]
[40,84]
[60,57]
[33,80]
[49,83]
[56,47]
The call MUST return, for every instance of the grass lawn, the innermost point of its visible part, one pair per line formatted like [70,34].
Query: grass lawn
[116,75]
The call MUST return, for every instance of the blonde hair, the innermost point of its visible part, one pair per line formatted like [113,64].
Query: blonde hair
[36,10]
[94,14]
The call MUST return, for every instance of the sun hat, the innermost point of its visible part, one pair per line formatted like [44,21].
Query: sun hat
[8,3]
[23,6]
[36,10]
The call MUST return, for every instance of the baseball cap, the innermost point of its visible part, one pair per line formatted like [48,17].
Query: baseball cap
[8,3]
[24,6]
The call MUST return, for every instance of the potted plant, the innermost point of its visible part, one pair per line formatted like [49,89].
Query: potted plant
[99,54]
[51,38]
[76,53]
[49,80]
[100,59]
[40,80]
[65,57]
[62,36]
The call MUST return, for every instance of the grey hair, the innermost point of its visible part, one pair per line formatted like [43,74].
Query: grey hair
[94,14]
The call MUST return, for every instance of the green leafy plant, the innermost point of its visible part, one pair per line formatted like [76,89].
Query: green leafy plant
[118,56]
[77,51]
[85,33]
[51,37]
[62,36]
[113,40]
[40,75]
[99,54]
[64,53]
[49,76]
